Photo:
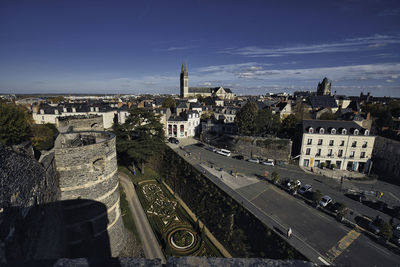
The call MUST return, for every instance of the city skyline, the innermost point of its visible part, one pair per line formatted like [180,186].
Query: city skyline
[251,47]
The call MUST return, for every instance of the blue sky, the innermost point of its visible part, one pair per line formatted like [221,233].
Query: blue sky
[252,47]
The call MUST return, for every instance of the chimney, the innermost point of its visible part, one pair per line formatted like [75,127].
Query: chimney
[120,104]
[368,116]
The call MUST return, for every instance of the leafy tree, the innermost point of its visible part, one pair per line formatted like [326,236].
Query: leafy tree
[56,99]
[316,196]
[140,137]
[328,116]
[288,126]
[266,122]
[43,136]
[386,231]
[206,115]
[15,124]
[301,112]
[200,98]
[275,177]
[169,102]
[246,118]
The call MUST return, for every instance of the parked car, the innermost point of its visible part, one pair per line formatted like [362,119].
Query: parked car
[254,160]
[224,152]
[305,188]
[325,200]
[173,140]
[396,235]
[269,162]
[375,225]
[240,157]
[210,148]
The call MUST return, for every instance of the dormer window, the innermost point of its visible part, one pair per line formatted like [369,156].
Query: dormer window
[321,131]
[366,132]
[333,131]
[355,132]
[344,131]
[311,130]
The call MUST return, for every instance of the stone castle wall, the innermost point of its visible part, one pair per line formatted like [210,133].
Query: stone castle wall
[87,166]
[31,219]
[81,123]
[256,147]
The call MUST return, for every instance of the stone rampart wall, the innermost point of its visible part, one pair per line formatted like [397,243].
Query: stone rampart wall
[261,147]
[81,123]
[88,170]
[31,221]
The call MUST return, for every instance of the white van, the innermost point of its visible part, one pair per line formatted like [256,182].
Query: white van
[224,152]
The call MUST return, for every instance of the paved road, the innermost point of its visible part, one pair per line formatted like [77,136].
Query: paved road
[316,235]
[150,244]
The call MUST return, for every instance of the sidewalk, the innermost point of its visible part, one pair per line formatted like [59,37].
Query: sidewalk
[335,174]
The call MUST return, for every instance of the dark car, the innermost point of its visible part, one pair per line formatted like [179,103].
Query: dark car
[173,140]
[238,157]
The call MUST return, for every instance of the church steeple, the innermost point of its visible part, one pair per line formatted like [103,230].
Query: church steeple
[184,81]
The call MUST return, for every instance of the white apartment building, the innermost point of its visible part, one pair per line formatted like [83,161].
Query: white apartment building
[342,143]
[184,126]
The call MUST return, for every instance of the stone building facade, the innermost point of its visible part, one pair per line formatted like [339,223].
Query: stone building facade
[343,143]
[87,167]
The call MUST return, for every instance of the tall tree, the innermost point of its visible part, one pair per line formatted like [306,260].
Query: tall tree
[266,122]
[246,118]
[288,126]
[169,102]
[140,137]
[15,124]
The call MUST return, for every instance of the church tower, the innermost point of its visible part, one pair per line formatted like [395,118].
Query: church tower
[184,81]
[324,87]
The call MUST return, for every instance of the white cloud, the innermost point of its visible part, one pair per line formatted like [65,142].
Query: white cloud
[175,48]
[348,45]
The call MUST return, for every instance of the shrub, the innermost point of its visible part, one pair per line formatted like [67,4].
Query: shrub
[323,164]
[333,166]
[275,177]
[316,197]
[386,230]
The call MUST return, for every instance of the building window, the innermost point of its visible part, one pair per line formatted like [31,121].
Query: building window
[362,155]
[311,130]
[341,142]
[321,131]
[309,141]
[344,131]
[352,154]
[365,144]
[42,118]
[319,142]
[329,152]
[366,132]
[340,153]
[331,142]
[333,131]
[318,152]
[355,132]
[308,150]
[306,162]
[338,164]
[354,144]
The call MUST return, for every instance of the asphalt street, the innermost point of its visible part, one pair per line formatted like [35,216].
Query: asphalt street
[315,232]
[150,244]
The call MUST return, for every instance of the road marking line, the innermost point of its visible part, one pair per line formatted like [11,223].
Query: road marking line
[383,251]
[394,196]
[323,261]
[343,243]
[259,194]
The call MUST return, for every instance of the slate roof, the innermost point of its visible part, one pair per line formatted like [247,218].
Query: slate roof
[323,102]
[350,126]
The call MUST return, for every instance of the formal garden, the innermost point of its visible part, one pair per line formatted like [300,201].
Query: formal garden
[175,230]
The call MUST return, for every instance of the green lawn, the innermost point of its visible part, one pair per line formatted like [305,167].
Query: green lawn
[127,215]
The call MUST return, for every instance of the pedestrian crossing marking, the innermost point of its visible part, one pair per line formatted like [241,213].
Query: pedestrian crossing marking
[343,243]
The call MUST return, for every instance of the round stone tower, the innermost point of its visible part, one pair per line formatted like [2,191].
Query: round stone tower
[87,166]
